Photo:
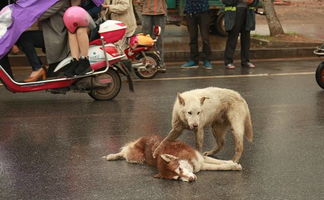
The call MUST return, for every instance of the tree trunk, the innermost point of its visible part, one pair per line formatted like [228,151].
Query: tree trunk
[273,21]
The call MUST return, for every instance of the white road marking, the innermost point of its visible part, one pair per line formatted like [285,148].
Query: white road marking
[223,76]
[226,76]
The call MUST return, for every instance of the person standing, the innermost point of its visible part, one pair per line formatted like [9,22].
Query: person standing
[197,16]
[55,34]
[122,10]
[239,20]
[154,13]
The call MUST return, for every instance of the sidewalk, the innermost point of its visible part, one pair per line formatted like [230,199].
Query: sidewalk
[301,17]
[176,46]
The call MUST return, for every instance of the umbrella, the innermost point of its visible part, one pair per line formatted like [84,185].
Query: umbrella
[98,2]
[16,18]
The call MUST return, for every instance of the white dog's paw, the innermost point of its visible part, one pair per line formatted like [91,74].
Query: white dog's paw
[237,167]
[208,153]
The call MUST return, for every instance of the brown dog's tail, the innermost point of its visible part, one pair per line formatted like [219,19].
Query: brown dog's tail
[116,156]
[248,127]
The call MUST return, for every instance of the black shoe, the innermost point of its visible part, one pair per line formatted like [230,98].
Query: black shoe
[83,67]
[69,72]
[162,68]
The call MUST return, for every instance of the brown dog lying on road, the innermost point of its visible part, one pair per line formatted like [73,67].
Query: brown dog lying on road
[176,160]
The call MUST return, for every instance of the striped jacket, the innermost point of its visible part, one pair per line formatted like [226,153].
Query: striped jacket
[154,7]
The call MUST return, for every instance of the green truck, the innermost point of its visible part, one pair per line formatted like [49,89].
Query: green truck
[175,14]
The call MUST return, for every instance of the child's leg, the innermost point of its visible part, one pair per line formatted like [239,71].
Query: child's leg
[74,45]
[83,41]
[74,48]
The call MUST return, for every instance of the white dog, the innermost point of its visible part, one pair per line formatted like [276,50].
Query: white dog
[216,107]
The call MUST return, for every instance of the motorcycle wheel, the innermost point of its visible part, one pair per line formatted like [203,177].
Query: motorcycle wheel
[109,92]
[319,75]
[152,61]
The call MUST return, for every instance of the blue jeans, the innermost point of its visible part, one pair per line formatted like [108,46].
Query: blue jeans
[28,41]
[148,22]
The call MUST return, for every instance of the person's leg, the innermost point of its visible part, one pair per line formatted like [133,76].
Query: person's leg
[204,22]
[192,26]
[75,54]
[79,46]
[245,43]
[83,41]
[147,24]
[160,20]
[28,41]
[232,38]
[74,45]
[245,47]
[4,62]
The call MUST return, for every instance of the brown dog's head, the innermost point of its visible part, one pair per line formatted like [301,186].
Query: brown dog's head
[171,167]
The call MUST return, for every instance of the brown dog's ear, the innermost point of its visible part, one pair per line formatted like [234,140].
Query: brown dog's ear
[202,100]
[168,158]
[181,100]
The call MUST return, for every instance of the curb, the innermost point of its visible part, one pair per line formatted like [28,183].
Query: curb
[267,53]
[182,56]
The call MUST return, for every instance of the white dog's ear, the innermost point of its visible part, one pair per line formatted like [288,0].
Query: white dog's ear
[181,100]
[202,100]
[168,158]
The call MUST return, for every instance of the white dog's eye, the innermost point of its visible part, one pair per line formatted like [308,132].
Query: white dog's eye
[198,113]
[189,113]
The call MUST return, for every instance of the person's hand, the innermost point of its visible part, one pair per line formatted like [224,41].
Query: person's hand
[15,49]
[105,5]
[249,1]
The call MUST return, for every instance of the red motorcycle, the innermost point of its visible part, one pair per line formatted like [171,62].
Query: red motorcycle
[319,75]
[146,59]
[103,83]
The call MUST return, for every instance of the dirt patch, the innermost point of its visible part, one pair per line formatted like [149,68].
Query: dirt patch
[284,40]
[293,37]
[300,17]
[300,11]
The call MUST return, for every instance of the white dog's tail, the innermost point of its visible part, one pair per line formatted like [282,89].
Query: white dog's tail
[248,127]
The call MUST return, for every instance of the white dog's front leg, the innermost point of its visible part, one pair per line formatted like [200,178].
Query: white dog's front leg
[199,139]
[173,134]
[216,161]
[228,166]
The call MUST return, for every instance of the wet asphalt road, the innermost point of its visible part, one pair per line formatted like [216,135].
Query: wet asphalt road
[51,145]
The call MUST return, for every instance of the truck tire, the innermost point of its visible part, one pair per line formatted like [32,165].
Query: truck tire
[220,25]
